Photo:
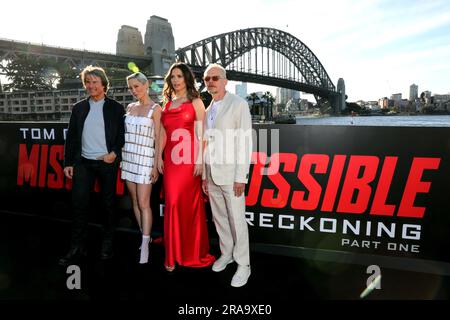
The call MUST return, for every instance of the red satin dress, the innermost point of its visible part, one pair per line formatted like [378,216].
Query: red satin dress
[185,232]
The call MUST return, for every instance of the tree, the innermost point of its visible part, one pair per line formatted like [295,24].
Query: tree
[352,107]
[422,97]
[69,77]
[253,97]
[281,107]
[428,109]
[117,76]
[269,103]
[28,73]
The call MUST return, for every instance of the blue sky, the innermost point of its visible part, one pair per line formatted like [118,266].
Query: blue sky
[379,47]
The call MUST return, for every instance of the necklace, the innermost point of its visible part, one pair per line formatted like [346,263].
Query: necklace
[179,98]
[176,102]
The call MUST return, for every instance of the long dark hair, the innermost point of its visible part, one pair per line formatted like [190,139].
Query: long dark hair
[189,80]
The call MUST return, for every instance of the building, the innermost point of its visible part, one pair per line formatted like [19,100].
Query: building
[404,105]
[304,105]
[383,103]
[396,97]
[129,42]
[441,98]
[38,105]
[372,105]
[426,97]
[284,95]
[416,105]
[396,100]
[441,101]
[413,92]
[241,90]
[52,105]
[159,44]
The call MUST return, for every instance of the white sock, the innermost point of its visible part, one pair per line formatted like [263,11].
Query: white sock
[150,242]
[141,233]
[144,249]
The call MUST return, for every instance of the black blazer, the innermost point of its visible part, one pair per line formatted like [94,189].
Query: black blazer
[113,116]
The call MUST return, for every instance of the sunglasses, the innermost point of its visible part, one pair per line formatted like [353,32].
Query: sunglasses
[213,78]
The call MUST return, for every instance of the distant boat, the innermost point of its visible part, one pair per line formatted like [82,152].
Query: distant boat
[285,119]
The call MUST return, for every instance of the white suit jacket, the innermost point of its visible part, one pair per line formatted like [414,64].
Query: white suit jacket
[229,143]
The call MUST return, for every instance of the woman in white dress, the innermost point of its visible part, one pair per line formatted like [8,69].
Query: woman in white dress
[139,170]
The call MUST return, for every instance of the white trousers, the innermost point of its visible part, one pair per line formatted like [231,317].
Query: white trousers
[228,213]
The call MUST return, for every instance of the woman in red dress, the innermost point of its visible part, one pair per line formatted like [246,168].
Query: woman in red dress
[185,232]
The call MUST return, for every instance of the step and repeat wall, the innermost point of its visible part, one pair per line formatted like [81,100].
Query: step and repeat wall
[365,191]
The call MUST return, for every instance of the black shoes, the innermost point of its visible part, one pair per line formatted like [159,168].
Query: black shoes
[77,253]
[107,250]
[74,256]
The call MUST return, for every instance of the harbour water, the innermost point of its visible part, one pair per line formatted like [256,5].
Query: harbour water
[395,121]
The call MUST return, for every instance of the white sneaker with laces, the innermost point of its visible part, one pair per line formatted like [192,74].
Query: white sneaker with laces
[222,263]
[241,276]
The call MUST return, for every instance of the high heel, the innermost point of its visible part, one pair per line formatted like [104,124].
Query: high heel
[170,268]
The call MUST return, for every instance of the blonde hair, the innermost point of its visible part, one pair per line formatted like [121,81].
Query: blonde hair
[139,76]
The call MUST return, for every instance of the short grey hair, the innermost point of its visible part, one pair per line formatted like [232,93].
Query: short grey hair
[139,76]
[217,66]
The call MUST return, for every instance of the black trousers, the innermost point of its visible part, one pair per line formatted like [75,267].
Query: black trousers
[83,182]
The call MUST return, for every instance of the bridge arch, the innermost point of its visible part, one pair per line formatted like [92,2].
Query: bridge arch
[288,62]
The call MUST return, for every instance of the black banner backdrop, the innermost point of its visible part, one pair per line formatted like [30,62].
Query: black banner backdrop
[341,193]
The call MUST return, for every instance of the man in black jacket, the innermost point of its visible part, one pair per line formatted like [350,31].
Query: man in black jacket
[92,151]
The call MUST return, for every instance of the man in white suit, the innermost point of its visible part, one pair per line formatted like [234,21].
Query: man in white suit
[228,138]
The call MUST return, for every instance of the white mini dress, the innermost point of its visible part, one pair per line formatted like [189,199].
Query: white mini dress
[138,152]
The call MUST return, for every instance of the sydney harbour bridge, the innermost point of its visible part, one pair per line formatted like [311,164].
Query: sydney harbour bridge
[257,55]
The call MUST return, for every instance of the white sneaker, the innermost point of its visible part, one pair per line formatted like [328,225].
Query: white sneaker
[240,278]
[222,263]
